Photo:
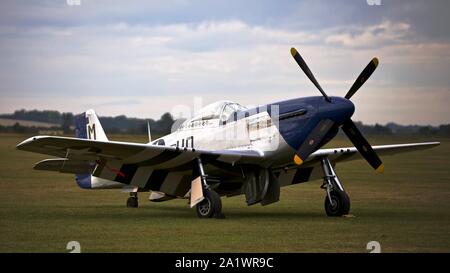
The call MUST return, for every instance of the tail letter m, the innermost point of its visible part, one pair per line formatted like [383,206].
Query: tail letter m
[91,131]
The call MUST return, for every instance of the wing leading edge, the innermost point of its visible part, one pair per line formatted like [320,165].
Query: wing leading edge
[351,153]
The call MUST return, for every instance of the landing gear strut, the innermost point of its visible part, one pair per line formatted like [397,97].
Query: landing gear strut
[211,206]
[337,202]
[132,201]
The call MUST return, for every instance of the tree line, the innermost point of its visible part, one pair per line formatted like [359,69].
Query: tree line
[64,122]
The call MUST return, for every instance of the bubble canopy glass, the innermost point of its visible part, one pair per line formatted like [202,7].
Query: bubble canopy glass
[220,110]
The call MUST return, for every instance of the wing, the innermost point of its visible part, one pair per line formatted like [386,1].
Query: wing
[351,153]
[129,153]
[149,167]
[120,161]
[312,170]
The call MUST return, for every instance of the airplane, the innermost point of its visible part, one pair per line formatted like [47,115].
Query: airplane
[226,149]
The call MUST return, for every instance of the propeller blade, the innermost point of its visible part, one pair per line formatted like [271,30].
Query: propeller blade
[362,78]
[313,140]
[307,71]
[362,145]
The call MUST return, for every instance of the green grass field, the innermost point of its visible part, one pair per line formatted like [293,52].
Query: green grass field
[406,209]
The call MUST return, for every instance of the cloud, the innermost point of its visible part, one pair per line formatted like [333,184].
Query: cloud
[373,36]
[142,69]
[168,58]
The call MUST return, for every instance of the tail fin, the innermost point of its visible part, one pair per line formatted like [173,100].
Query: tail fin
[88,126]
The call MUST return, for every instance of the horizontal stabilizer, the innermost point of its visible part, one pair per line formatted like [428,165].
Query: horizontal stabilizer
[64,165]
[156,196]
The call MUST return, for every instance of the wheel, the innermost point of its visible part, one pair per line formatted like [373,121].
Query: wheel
[210,206]
[132,202]
[340,205]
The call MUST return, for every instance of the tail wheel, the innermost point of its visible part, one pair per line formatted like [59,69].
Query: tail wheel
[339,205]
[210,206]
[132,202]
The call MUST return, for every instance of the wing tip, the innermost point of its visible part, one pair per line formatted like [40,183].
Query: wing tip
[24,143]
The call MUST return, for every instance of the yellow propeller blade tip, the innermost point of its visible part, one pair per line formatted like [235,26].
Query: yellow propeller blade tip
[375,61]
[298,160]
[380,168]
[293,51]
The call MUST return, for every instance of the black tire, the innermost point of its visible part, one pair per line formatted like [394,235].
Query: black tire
[132,202]
[340,206]
[210,206]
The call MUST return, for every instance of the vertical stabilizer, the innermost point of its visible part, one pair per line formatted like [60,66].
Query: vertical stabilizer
[87,126]
[94,129]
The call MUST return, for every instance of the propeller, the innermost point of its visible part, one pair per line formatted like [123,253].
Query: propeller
[318,134]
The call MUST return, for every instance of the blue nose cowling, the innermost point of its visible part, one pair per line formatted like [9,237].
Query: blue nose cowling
[296,129]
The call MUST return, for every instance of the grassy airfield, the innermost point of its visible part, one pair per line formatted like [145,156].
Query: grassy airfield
[406,209]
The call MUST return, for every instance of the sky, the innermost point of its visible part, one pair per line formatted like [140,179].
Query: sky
[144,58]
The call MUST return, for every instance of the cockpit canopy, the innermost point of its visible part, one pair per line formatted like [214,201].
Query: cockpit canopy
[213,114]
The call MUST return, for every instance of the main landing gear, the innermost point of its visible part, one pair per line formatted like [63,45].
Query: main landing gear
[337,202]
[211,205]
[132,201]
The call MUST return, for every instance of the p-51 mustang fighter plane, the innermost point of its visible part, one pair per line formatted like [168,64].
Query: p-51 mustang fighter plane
[226,149]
